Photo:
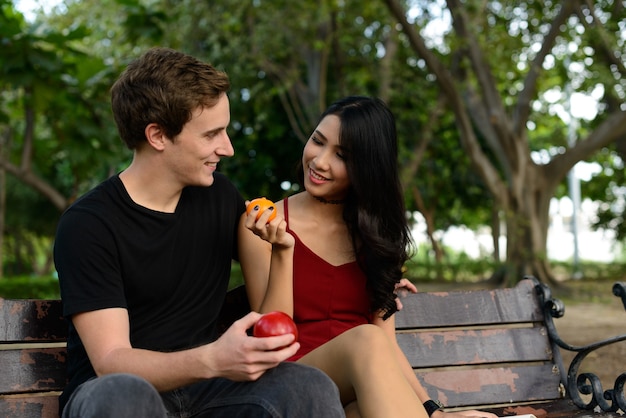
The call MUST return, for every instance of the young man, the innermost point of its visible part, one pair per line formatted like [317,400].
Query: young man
[144,262]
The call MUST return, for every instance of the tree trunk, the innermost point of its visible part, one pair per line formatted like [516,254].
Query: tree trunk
[429,217]
[496,231]
[527,221]
[4,145]
[3,207]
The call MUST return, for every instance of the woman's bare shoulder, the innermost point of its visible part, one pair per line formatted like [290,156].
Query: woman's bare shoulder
[294,201]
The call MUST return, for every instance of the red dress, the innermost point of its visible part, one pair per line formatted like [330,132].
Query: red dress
[328,300]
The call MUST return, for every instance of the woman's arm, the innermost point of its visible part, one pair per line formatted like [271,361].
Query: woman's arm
[266,257]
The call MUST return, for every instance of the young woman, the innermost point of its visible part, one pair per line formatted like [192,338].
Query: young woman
[350,237]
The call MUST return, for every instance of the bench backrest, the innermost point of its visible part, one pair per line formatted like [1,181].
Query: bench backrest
[32,357]
[482,347]
[468,349]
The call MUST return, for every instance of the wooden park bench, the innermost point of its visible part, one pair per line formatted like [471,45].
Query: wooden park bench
[498,350]
[495,350]
[32,357]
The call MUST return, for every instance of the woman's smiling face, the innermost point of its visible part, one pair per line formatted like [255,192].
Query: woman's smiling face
[323,161]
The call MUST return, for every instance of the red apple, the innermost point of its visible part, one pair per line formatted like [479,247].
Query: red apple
[275,323]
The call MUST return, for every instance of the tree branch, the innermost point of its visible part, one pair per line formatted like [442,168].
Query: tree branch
[446,82]
[529,91]
[492,100]
[29,129]
[410,170]
[29,178]
[612,128]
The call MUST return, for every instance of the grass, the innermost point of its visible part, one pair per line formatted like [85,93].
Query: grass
[29,287]
[47,287]
[596,285]
[587,290]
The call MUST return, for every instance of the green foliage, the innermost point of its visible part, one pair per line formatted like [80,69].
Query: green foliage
[58,138]
[287,61]
[591,270]
[265,153]
[29,287]
[236,276]
[608,188]
[44,72]
[29,211]
[47,287]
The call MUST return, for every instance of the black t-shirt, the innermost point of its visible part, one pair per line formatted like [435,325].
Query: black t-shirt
[169,270]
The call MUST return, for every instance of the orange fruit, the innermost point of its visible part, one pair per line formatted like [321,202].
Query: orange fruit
[263,204]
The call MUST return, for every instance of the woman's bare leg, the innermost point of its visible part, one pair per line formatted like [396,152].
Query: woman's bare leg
[362,363]
[352,410]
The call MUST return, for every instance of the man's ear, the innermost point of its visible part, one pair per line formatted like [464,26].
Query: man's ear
[155,136]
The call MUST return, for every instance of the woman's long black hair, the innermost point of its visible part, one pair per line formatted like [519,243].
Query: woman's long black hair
[374,210]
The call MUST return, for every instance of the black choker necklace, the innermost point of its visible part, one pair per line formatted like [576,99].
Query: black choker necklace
[330,202]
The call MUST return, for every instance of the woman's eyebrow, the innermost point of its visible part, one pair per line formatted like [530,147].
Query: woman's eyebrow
[321,134]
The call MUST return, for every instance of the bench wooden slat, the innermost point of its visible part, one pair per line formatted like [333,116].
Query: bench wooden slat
[470,307]
[32,370]
[29,406]
[482,346]
[31,320]
[463,387]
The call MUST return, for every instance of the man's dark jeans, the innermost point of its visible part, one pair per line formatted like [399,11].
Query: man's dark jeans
[290,390]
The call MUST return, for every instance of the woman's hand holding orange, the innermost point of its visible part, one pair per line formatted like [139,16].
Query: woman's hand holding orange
[263,221]
[260,205]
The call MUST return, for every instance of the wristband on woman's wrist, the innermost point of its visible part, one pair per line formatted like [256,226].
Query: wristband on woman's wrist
[432,406]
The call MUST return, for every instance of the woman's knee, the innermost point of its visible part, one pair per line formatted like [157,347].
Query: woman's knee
[352,410]
[367,343]
[367,334]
